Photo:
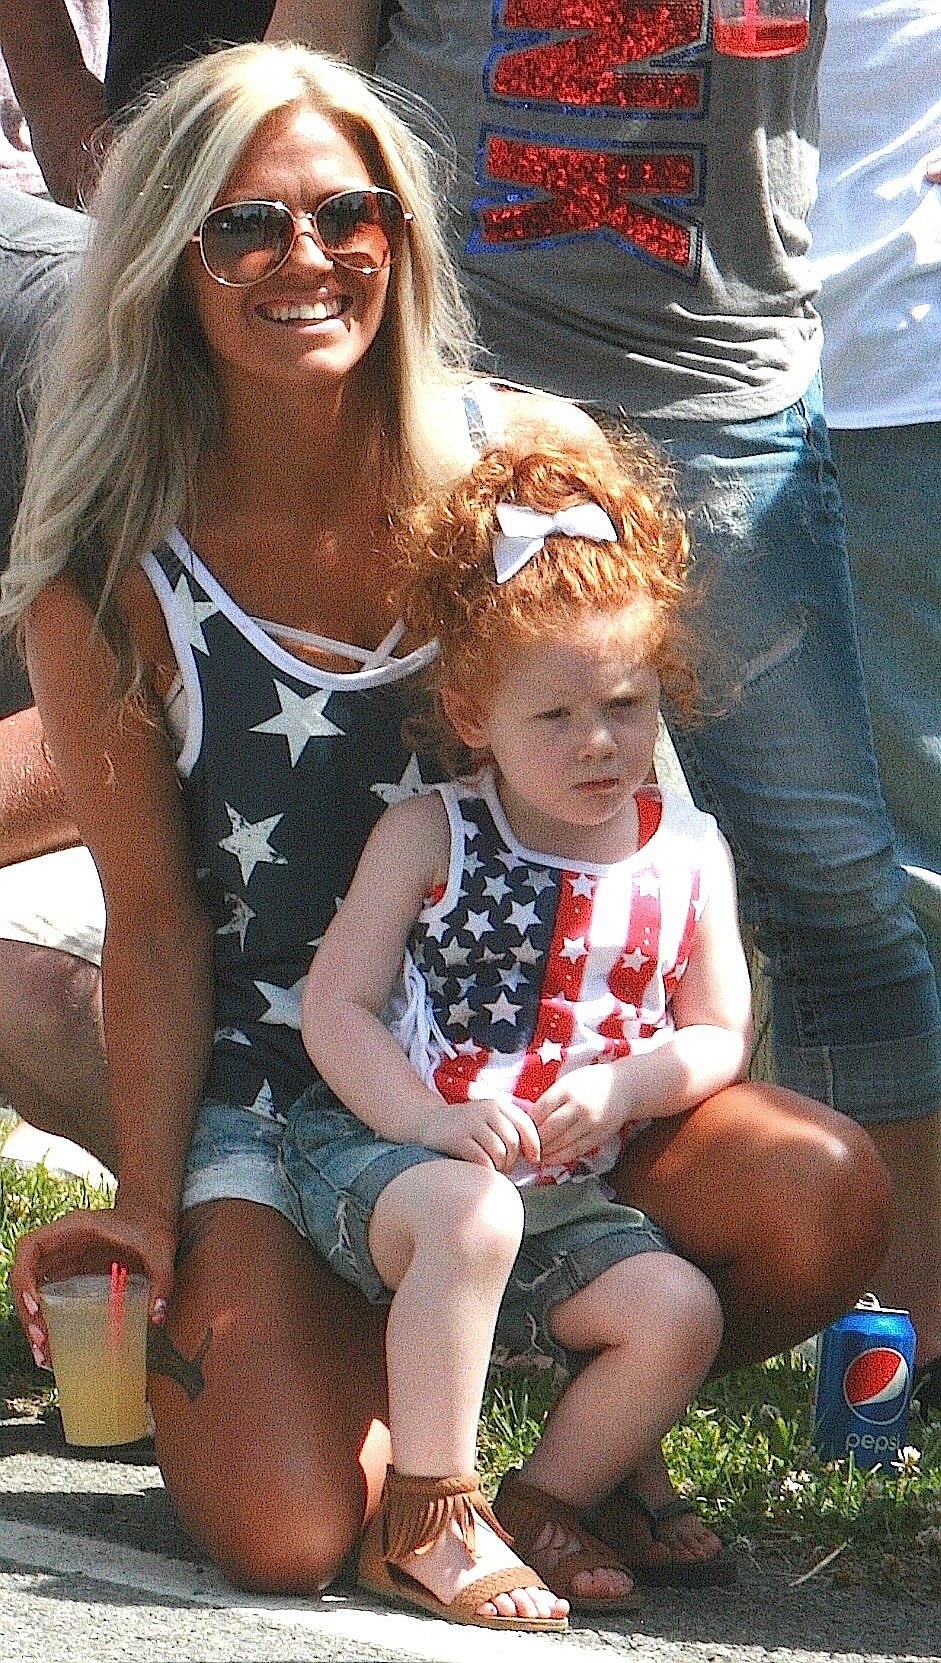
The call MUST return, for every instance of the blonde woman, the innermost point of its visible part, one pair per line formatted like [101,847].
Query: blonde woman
[265,359]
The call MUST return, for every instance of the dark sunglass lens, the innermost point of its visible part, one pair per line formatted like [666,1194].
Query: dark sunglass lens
[361,228]
[244,240]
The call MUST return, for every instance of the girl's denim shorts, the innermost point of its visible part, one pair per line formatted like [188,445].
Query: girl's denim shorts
[334,1169]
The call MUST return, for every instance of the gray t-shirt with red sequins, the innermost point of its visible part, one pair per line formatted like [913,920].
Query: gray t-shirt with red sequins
[630,205]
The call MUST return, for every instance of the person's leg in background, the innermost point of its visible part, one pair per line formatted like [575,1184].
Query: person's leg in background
[894,538]
[53,1072]
[790,770]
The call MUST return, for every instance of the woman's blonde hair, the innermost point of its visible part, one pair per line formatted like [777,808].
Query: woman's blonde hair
[128,402]
[444,582]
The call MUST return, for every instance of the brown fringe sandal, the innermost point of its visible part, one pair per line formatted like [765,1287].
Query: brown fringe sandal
[527,1511]
[412,1514]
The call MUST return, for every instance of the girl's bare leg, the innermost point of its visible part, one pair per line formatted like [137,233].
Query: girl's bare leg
[655,1325]
[445,1234]
[785,1204]
[270,1405]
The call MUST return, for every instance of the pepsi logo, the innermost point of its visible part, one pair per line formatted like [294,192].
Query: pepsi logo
[876,1383]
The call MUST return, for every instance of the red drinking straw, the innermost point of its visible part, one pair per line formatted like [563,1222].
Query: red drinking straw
[116,1302]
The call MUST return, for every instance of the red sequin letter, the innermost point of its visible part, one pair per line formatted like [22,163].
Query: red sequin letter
[584,192]
[593,68]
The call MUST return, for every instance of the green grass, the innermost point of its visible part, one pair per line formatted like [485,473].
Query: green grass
[29,1195]
[743,1450]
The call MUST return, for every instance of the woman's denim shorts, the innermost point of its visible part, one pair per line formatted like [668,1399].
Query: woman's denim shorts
[233,1155]
[335,1169]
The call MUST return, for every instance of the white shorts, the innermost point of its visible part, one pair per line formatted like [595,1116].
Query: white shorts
[54,901]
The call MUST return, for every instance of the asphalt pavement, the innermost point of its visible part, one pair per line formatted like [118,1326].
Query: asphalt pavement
[94,1568]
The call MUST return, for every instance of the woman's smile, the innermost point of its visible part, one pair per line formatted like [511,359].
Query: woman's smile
[323,310]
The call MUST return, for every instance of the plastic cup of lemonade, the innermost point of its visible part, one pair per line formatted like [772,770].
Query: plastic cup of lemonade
[760,28]
[98,1344]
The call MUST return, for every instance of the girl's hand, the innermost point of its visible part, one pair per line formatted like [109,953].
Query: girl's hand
[486,1131]
[90,1240]
[579,1113]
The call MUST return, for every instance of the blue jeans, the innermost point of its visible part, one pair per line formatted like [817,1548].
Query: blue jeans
[234,1154]
[789,767]
[894,534]
[40,244]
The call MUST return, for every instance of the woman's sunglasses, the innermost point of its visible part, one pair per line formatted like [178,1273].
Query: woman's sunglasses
[241,243]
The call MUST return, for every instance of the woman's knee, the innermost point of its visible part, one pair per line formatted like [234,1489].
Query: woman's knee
[267,1399]
[285,1549]
[272,1532]
[830,1199]
[48,993]
[274,1494]
[760,1172]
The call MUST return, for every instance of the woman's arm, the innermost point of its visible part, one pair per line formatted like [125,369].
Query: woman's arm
[121,786]
[353,973]
[708,1049]
[34,818]
[63,101]
[347,30]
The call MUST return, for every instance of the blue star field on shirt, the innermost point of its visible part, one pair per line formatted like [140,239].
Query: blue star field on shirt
[285,767]
[528,966]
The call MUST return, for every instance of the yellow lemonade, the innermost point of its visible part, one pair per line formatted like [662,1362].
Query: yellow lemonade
[98,1346]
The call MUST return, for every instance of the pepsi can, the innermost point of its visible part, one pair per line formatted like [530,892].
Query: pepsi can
[865,1363]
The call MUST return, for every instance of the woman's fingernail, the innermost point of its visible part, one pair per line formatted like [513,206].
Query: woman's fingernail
[39,1356]
[32,1305]
[158,1310]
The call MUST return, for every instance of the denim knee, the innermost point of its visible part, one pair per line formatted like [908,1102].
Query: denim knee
[789,766]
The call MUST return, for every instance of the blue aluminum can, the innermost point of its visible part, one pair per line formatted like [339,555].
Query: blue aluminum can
[865,1363]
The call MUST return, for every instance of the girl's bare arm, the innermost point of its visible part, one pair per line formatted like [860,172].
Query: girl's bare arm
[353,973]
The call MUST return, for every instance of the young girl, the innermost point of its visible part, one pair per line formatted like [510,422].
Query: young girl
[530,963]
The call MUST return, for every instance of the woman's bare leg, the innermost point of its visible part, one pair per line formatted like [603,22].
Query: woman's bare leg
[785,1204]
[269,1407]
[52,1054]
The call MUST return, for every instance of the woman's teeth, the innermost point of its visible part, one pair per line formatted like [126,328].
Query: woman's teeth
[304,312]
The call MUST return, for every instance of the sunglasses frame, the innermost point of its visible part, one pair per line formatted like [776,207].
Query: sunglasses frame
[303,224]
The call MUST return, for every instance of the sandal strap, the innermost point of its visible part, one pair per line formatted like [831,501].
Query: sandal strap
[526,1510]
[417,1510]
[476,1593]
[625,1496]
[678,1507]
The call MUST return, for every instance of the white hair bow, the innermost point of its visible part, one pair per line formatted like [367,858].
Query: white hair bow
[523,532]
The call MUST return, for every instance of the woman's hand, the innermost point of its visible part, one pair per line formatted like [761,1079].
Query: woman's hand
[90,1239]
